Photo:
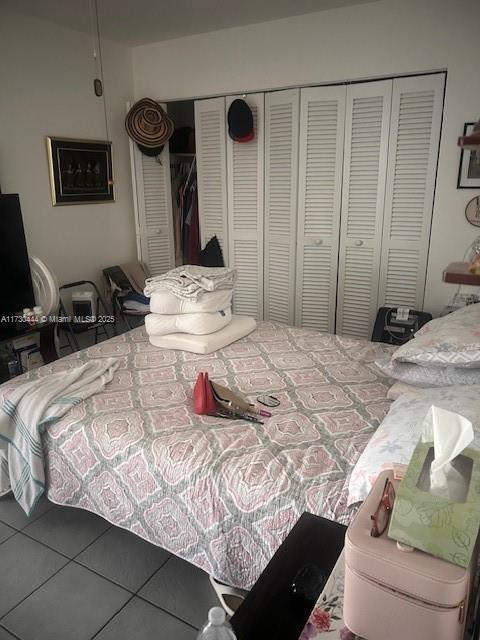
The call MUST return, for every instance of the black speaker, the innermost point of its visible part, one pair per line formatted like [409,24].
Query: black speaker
[393,328]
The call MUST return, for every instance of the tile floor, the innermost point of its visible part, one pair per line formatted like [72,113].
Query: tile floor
[67,574]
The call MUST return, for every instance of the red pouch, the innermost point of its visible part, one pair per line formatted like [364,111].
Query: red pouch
[203,400]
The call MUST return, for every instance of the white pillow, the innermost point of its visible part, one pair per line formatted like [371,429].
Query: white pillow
[397,436]
[451,340]
[195,323]
[239,327]
[399,388]
[167,302]
[460,315]
[428,376]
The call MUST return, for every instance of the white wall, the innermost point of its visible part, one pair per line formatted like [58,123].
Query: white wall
[46,76]
[378,39]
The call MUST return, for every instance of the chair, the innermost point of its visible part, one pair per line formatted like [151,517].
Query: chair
[123,282]
[47,295]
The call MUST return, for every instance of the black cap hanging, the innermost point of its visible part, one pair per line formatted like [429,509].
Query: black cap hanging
[240,121]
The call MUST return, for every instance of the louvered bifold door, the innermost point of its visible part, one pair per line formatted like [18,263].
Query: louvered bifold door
[212,171]
[322,119]
[153,209]
[367,118]
[412,162]
[245,172]
[281,172]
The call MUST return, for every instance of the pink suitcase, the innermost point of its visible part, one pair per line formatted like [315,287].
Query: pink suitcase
[392,594]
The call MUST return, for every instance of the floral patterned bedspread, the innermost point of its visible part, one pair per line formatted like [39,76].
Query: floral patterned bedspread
[219,493]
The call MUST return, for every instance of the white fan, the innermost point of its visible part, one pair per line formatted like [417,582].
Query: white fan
[45,286]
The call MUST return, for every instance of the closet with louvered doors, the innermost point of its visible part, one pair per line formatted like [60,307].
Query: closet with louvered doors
[410,184]
[245,211]
[210,142]
[392,133]
[326,214]
[322,122]
[152,201]
[367,126]
[281,177]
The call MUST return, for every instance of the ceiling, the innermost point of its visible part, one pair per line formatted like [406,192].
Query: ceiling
[136,22]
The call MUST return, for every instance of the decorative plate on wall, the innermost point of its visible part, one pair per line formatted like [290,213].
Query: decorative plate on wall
[472,211]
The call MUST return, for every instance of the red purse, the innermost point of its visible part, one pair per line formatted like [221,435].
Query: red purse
[203,400]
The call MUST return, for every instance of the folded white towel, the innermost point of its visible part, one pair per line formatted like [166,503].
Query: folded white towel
[25,414]
[191,281]
[167,302]
[194,323]
[239,327]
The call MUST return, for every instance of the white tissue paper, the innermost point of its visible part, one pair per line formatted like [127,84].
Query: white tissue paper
[450,434]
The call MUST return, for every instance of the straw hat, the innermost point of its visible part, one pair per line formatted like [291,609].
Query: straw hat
[149,126]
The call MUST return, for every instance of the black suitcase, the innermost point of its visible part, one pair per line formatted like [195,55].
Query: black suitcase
[388,328]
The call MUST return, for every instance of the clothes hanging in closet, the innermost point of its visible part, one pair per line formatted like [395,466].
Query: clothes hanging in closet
[187,200]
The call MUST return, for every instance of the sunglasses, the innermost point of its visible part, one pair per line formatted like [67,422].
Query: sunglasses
[382,515]
[268,401]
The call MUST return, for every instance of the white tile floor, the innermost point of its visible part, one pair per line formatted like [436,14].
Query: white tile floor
[67,574]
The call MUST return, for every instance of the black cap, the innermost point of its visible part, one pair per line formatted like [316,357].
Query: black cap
[240,121]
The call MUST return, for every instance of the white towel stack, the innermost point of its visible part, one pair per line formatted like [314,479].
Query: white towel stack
[190,299]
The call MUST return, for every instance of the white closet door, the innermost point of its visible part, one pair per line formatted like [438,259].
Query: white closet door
[281,162]
[364,170]
[245,172]
[322,120]
[412,163]
[153,209]
[212,171]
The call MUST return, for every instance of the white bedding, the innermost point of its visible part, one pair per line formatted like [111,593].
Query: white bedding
[397,436]
[198,324]
[168,302]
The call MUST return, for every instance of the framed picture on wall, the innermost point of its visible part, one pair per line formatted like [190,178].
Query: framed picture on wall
[469,171]
[80,171]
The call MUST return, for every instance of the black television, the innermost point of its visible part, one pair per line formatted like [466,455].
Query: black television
[17,290]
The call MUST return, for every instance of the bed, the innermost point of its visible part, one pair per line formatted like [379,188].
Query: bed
[219,493]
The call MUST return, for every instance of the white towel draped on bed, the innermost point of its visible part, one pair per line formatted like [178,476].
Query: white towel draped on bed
[25,413]
[191,281]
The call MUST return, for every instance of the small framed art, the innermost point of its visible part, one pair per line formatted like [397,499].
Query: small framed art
[469,171]
[81,171]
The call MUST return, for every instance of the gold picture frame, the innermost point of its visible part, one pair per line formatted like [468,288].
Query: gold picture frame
[81,171]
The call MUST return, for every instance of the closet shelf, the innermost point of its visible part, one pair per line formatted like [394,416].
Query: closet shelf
[457,273]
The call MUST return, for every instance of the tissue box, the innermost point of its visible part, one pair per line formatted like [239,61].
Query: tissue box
[441,526]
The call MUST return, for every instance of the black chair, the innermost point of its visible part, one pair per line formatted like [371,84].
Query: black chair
[119,287]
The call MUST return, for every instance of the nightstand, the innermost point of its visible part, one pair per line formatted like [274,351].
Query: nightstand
[271,609]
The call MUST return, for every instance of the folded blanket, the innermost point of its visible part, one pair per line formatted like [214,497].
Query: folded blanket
[141,309]
[27,410]
[136,297]
[167,302]
[191,281]
[197,324]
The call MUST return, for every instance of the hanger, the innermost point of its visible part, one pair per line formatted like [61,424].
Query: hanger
[189,175]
